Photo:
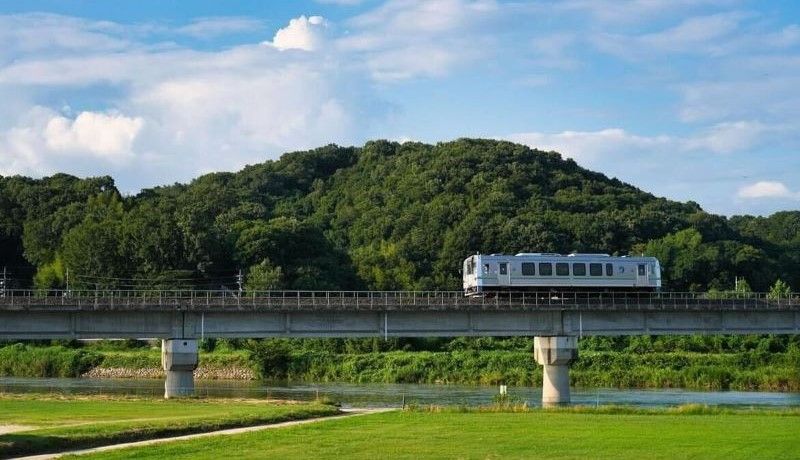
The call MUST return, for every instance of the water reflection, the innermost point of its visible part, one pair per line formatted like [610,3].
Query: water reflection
[393,395]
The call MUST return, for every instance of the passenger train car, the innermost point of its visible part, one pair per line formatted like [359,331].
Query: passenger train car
[555,272]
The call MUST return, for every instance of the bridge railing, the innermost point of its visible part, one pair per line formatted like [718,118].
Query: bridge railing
[186,299]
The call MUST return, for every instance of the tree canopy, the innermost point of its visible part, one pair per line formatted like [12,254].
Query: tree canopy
[382,216]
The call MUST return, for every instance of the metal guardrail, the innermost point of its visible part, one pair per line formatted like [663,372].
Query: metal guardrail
[205,300]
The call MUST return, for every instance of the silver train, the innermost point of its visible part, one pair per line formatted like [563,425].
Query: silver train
[555,272]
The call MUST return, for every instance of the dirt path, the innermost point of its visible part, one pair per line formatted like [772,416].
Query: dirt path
[230,431]
[6,429]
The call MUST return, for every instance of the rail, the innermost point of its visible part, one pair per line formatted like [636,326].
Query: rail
[205,300]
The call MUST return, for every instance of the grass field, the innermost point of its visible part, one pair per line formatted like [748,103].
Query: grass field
[47,424]
[554,435]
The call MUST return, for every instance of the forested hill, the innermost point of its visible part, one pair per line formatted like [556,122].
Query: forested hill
[382,216]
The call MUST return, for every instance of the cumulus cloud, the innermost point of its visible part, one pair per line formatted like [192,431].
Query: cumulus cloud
[767,189]
[104,135]
[43,141]
[303,33]
[174,111]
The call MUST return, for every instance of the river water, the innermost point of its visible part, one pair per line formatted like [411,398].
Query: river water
[393,395]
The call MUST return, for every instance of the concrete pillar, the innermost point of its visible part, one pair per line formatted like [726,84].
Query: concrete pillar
[179,358]
[555,354]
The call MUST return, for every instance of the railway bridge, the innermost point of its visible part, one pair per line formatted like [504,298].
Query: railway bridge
[556,320]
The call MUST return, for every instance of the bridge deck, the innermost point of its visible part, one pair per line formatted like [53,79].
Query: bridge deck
[287,301]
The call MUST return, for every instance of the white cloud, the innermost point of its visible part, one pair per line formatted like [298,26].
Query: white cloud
[771,95]
[54,34]
[170,112]
[404,39]
[714,35]
[340,2]
[588,147]
[596,147]
[206,28]
[694,33]
[634,11]
[293,106]
[303,33]
[786,37]
[43,141]
[104,135]
[767,189]
[728,137]
[553,50]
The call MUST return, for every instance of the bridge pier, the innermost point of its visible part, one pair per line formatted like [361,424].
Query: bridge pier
[179,358]
[555,354]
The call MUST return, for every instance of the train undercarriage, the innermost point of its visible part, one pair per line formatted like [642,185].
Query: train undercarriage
[551,292]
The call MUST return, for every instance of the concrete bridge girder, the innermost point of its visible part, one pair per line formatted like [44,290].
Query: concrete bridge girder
[41,324]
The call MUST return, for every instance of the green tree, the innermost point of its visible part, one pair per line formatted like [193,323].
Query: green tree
[264,277]
[779,290]
[51,275]
[92,250]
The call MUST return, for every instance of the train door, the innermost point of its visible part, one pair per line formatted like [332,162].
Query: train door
[641,275]
[503,274]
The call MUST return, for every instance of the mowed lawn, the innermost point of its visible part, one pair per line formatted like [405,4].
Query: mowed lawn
[552,435]
[49,423]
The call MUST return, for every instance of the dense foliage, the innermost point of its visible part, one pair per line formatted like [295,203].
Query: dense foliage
[766,363]
[382,216]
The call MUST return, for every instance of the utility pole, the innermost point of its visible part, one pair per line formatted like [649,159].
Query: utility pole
[66,293]
[240,281]
[3,283]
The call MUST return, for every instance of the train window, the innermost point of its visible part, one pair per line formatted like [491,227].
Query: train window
[579,269]
[609,269]
[562,269]
[641,269]
[596,269]
[469,267]
[545,269]
[504,268]
[528,269]
[486,269]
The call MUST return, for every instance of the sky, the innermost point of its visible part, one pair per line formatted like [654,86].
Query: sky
[688,99]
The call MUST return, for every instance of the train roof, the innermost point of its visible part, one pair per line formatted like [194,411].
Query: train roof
[572,256]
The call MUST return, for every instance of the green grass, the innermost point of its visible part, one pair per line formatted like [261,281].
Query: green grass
[480,435]
[61,423]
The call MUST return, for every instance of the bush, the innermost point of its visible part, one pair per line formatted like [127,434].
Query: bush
[270,357]
[20,360]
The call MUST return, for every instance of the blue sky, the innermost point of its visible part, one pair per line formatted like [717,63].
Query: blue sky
[692,100]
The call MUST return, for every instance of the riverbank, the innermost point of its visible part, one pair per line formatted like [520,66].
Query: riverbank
[51,423]
[453,433]
[746,371]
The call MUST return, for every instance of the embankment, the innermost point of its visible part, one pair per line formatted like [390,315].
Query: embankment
[749,370]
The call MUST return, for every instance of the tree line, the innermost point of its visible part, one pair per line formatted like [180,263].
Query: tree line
[382,216]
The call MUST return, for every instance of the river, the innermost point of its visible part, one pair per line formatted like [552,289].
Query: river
[393,395]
